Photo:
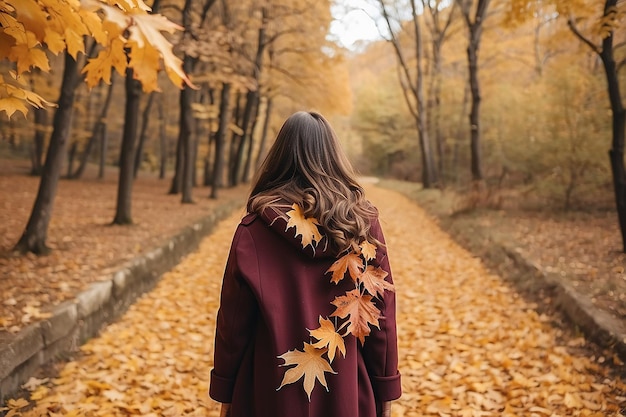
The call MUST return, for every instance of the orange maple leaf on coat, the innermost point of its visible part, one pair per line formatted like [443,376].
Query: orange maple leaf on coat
[373,280]
[305,226]
[328,337]
[310,364]
[361,310]
[368,250]
[350,262]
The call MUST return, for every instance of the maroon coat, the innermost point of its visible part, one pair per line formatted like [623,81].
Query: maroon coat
[273,291]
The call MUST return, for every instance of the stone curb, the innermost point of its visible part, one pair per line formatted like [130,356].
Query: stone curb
[73,322]
[600,326]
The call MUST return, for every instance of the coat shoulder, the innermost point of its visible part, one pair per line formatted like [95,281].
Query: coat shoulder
[248,219]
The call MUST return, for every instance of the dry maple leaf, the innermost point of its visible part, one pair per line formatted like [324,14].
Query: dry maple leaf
[361,310]
[373,280]
[328,337]
[305,226]
[368,250]
[309,363]
[350,262]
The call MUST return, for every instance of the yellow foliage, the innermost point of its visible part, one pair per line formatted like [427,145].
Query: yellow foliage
[30,27]
[13,96]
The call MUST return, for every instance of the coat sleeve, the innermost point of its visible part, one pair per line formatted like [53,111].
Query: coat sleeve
[236,320]
[380,350]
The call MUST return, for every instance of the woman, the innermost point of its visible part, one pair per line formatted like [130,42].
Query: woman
[306,325]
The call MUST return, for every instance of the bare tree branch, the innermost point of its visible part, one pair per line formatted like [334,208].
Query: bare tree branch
[405,94]
[205,11]
[572,25]
[396,46]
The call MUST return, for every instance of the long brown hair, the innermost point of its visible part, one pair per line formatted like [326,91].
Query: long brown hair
[306,165]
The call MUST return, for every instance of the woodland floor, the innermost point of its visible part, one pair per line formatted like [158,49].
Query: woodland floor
[85,246]
[469,344]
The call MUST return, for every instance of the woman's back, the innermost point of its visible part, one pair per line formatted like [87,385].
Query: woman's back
[306,325]
[275,299]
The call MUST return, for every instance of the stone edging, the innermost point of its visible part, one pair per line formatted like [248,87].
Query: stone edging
[75,321]
[597,324]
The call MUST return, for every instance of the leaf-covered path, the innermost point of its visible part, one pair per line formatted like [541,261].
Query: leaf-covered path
[469,345]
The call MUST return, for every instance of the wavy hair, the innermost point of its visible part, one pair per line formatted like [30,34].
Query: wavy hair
[306,165]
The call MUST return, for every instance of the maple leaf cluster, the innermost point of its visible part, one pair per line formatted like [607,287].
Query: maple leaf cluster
[30,27]
[355,311]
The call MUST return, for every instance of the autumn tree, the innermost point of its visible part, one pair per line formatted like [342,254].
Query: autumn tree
[34,236]
[599,35]
[412,83]
[438,20]
[474,14]
[31,29]
[609,22]
[250,111]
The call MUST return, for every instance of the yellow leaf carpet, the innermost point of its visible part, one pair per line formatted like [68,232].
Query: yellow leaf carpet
[469,345]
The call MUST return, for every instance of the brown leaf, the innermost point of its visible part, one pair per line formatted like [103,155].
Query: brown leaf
[373,280]
[361,311]
[350,262]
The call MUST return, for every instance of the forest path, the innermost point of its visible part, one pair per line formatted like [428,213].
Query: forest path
[469,345]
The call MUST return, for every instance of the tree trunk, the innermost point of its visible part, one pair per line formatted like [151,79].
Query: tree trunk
[429,178]
[145,119]
[84,157]
[162,139]
[252,104]
[12,134]
[474,118]
[97,133]
[101,127]
[207,176]
[434,111]
[475,29]
[412,91]
[185,129]
[177,180]
[234,140]
[255,118]
[266,122]
[34,236]
[616,154]
[218,165]
[246,136]
[179,169]
[194,158]
[41,120]
[70,159]
[127,154]
[104,145]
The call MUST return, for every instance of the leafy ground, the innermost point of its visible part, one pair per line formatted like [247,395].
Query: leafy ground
[86,248]
[469,345]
